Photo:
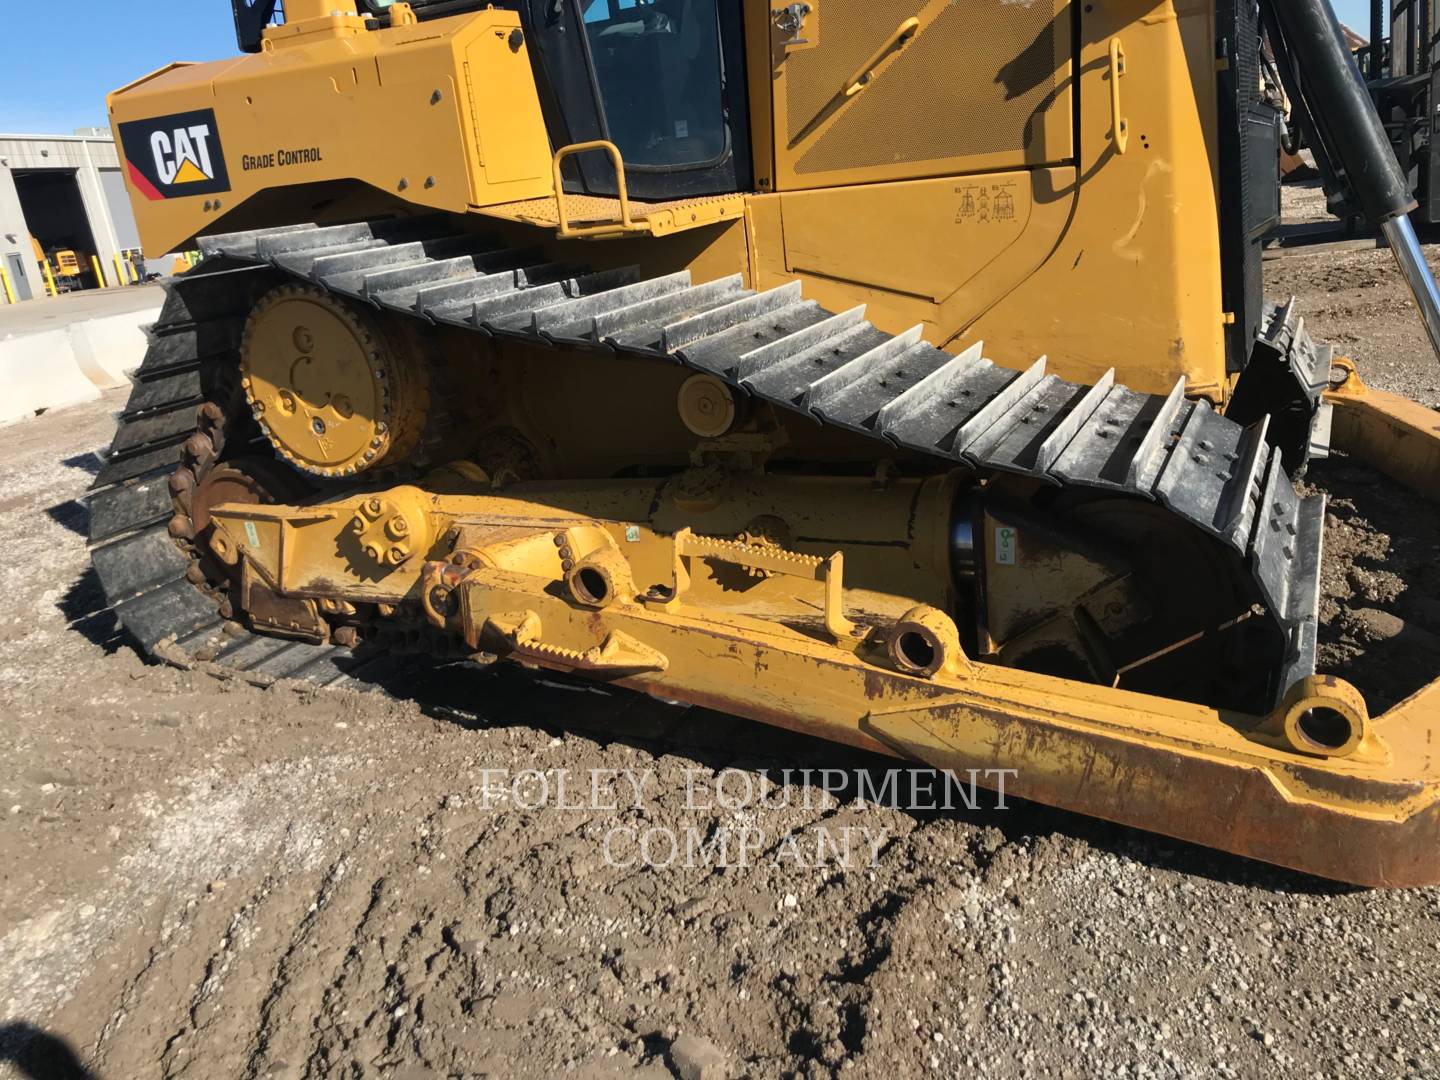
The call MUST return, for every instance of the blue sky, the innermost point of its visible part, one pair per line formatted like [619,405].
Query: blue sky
[1354,12]
[63,58]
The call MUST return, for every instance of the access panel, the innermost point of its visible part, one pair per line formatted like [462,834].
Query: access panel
[869,91]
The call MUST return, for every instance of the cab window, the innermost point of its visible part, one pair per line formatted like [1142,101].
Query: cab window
[659,69]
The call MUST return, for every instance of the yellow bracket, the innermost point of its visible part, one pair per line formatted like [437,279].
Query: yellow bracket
[609,228]
[1389,432]
[830,572]
[403,14]
[619,653]
[1117,72]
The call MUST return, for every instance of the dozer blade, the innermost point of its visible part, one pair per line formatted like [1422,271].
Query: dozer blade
[1372,819]
[1375,823]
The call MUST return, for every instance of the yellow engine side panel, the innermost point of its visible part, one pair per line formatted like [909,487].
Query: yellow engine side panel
[442,115]
[1135,281]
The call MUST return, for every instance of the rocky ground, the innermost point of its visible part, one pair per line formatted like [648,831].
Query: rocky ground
[1353,297]
[201,878]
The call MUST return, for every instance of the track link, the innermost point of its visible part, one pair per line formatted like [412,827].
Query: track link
[836,368]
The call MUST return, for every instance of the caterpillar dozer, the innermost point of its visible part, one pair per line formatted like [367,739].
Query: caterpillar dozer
[899,374]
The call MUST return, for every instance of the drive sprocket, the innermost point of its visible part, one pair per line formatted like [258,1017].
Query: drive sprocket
[332,391]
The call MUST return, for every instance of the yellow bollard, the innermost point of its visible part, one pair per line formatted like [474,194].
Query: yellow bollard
[9,289]
[99,272]
[50,280]
[120,277]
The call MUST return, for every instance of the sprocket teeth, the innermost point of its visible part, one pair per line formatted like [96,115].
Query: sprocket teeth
[400,391]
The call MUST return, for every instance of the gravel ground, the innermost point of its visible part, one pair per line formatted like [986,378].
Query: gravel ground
[1357,300]
[201,878]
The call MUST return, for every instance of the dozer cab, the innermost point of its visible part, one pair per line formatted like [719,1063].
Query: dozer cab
[896,373]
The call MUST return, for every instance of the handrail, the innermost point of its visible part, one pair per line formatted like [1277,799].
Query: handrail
[902,36]
[626,222]
[1117,72]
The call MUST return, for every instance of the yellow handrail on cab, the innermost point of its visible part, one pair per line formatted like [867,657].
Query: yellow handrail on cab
[626,222]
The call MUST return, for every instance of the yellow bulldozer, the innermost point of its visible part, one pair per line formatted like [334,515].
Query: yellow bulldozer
[895,373]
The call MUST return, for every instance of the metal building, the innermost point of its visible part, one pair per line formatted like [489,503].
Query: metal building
[62,193]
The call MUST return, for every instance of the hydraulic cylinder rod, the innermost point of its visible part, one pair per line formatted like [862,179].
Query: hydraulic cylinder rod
[1400,235]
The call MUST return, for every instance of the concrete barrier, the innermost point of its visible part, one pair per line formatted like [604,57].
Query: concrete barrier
[49,369]
[108,349]
[40,371]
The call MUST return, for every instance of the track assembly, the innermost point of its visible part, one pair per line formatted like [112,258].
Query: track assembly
[839,369]
[309,361]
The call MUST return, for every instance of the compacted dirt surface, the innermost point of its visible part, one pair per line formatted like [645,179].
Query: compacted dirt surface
[441,877]
[1353,297]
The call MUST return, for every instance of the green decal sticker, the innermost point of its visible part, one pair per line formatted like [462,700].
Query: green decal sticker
[1005,546]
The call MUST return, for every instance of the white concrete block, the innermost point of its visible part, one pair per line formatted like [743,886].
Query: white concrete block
[108,349]
[40,371]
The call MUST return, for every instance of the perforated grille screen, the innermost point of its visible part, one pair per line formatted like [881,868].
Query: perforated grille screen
[975,81]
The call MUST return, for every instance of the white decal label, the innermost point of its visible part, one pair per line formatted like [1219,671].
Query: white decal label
[251,534]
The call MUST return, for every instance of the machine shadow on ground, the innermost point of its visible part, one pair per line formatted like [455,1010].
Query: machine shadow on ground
[38,1055]
[73,515]
[88,613]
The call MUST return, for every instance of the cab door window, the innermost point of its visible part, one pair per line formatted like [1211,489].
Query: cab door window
[660,73]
